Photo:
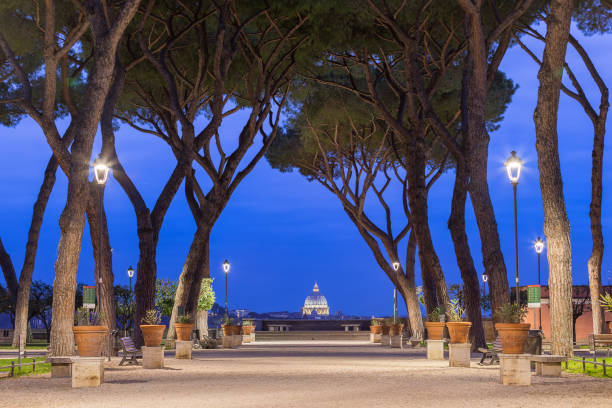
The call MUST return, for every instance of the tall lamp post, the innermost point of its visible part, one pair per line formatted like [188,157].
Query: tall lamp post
[130,273]
[539,247]
[100,170]
[226,268]
[513,168]
[485,278]
[396,266]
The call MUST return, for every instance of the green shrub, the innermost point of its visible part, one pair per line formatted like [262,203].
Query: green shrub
[510,313]
[455,312]
[152,316]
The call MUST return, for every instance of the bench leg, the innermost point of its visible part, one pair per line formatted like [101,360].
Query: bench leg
[550,369]
[123,360]
[538,367]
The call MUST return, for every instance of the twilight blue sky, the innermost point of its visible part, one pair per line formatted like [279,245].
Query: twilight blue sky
[282,233]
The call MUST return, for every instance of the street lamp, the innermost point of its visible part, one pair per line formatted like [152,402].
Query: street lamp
[513,167]
[226,268]
[130,272]
[485,278]
[539,247]
[396,266]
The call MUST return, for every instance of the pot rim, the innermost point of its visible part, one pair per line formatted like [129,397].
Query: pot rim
[459,323]
[519,326]
[153,325]
[90,328]
[439,324]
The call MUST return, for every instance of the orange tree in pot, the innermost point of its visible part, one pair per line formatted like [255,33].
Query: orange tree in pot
[184,328]
[396,327]
[458,329]
[89,334]
[248,327]
[435,324]
[512,333]
[375,326]
[152,330]
[228,326]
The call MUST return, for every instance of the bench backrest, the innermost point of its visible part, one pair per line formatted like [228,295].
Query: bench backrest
[128,344]
[605,337]
[497,345]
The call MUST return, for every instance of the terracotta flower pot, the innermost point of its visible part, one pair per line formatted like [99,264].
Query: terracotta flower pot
[513,336]
[385,330]
[152,334]
[458,331]
[183,331]
[376,329]
[435,330]
[247,330]
[396,329]
[228,330]
[90,340]
[237,330]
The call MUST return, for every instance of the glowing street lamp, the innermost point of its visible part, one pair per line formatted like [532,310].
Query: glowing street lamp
[226,268]
[485,278]
[513,168]
[100,170]
[539,247]
[130,273]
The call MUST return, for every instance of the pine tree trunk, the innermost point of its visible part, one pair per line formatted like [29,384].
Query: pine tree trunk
[471,283]
[25,277]
[556,222]
[191,276]
[594,263]
[429,289]
[6,264]
[146,274]
[408,291]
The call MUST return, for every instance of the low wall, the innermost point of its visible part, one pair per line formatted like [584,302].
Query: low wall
[311,335]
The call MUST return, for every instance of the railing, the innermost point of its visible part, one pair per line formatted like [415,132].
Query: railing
[584,362]
[11,373]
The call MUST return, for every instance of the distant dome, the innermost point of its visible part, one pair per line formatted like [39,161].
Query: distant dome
[315,302]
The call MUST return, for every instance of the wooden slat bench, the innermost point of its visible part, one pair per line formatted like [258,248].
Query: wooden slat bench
[604,340]
[130,352]
[490,355]
[548,365]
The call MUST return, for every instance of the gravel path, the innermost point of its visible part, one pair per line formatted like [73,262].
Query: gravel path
[306,374]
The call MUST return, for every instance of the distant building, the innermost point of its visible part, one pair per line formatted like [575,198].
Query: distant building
[315,304]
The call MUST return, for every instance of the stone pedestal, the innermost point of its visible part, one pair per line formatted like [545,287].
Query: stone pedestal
[87,371]
[515,369]
[60,367]
[236,340]
[183,349]
[548,370]
[385,340]
[246,338]
[153,357]
[375,338]
[227,342]
[396,341]
[253,337]
[459,354]
[435,349]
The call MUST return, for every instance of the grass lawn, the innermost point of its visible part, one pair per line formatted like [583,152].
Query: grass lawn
[35,346]
[27,370]
[576,367]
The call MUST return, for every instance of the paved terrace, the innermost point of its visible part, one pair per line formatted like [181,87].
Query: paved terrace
[306,374]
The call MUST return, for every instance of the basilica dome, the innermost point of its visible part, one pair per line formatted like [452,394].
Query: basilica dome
[315,303]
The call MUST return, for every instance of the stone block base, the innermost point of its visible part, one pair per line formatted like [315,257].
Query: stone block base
[515,369]
[61,367]
[236,340]
[183,349]
[385,340]
[459,354]
[87,371]
[246,338]
[227,342]
[435,349]
[548,369]
[253,337]
[375,338]
[153,357]
[396,341]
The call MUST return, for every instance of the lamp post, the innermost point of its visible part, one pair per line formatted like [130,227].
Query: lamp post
[513,168]
[130,273]
[539,247]
[485,278]
[396,266]
[226,268]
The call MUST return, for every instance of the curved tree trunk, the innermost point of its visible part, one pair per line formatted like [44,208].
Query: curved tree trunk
[429,289]
[6,264]
[25,278]
[556,222]
[408,290]
[190,275]
[471,284]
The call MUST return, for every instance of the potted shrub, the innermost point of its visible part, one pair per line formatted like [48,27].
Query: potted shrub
[228,326]
[89,334]
[458,329]
[435,324]
[375,326]
[184,328]
[386,327]
[396,327]
[248,327]
[512,333]
[152,330]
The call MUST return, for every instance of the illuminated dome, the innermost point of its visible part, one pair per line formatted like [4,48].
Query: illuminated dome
[315,302]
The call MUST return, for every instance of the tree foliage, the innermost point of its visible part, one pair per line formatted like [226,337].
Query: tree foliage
[207,295]
[165,289]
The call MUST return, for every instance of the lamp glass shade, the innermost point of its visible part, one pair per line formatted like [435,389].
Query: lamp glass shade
[513,167]
[396,266]
[226,266]
[130,272]
[485,277]
[100,170]
[539,245]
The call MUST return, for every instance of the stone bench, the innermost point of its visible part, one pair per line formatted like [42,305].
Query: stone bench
[87,371]
[548,366]
[61,366]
